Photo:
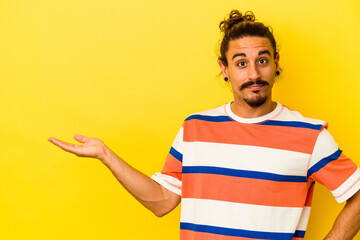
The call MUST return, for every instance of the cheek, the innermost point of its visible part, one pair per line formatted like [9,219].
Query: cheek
[237,76]
[232,85]
[269,73]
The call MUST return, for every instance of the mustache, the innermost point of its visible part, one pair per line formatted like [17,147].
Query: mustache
[249,83]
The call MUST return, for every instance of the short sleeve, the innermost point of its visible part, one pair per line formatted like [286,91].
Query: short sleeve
[171,175]
[330,167]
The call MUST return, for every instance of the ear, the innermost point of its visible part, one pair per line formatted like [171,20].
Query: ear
[277,66]
[223,69]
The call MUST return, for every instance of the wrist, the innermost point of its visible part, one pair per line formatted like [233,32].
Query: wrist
[105,156]
[111,160]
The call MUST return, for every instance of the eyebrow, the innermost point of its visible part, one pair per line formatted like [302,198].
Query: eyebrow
[264,52]
[239,55]
[244,55]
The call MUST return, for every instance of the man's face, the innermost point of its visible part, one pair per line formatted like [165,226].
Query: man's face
[251,69]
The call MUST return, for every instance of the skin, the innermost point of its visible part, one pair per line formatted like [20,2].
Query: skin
[347,223]
[249,59]
[152,195]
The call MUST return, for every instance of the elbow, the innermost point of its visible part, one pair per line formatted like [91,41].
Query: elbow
[164,209]
[165,205]
[160,212]
[159,209]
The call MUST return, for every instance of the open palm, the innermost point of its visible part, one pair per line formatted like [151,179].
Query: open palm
[90,147]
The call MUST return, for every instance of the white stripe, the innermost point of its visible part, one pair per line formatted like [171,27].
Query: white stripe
[240,216]
[304,219]
[348,188]
[242,157]
[178,141]
[324,147]
[291,115]
[168,182]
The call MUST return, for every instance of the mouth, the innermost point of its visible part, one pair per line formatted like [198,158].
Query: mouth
[254,85]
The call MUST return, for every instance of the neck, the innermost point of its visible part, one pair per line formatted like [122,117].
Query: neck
[242,109]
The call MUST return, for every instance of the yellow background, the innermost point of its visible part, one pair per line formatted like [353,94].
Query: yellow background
[129,72]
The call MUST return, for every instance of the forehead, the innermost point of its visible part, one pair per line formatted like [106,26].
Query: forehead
[249,46]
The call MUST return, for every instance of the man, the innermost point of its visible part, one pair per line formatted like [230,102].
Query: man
[245,170]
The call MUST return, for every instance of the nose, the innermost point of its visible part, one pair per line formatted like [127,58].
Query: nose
[253,72]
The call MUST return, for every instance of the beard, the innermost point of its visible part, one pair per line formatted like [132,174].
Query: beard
[258,100]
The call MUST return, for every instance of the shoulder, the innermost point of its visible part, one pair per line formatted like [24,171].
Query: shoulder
[213,113]
[290,115]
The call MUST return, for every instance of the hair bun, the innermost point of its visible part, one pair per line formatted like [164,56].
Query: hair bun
[236,17]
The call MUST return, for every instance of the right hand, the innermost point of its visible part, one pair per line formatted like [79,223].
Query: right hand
[91,147]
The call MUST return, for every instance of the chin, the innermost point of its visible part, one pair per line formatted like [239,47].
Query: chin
[256,102]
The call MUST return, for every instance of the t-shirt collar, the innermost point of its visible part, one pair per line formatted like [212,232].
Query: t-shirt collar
[263,118]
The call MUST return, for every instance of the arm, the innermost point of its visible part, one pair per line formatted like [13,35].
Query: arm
[347,224]
[153,196]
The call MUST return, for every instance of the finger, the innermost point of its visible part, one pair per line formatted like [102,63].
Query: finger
[81,138]
[64,145]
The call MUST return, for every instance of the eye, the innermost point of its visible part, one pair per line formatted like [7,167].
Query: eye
[263,61]
[241,64]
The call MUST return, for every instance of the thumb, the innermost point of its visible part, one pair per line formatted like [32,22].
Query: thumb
[81,138]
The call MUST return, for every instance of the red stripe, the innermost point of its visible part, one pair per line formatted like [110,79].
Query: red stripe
[279,137]
[335,173]
[172,167]
[191,235]
[244,190]
[309,196]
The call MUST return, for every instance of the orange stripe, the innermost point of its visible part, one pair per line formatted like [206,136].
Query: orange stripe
[309,196]
[279,137]
[244,190]
[191,235]
[336,172]
[172,167]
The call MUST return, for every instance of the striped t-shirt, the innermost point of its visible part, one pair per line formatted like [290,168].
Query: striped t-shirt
[253,178]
